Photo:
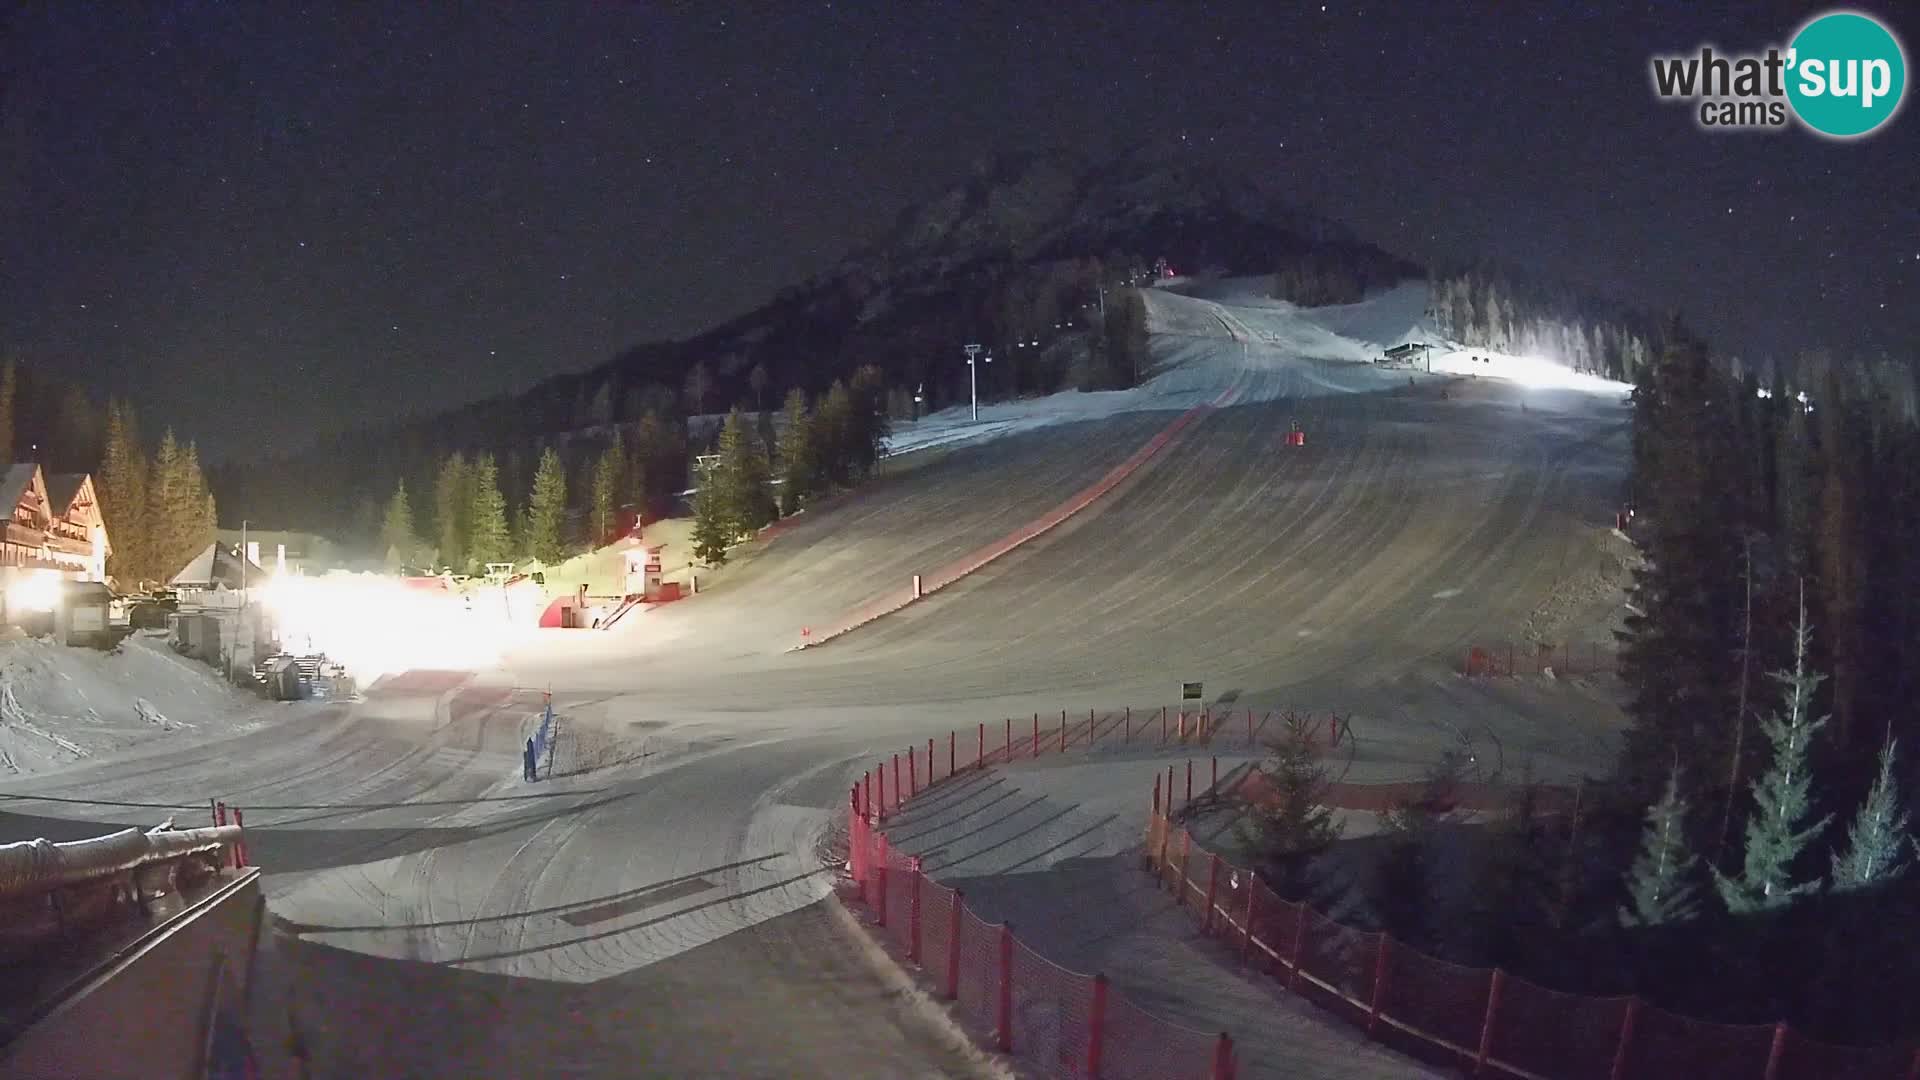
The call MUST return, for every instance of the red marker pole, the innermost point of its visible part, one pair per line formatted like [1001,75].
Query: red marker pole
[1033,748]
[952,742]
[930,762]
[980,755]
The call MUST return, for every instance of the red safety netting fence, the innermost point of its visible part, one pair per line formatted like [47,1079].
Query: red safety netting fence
[1062,1023]
[1494,658]
[1489,1022]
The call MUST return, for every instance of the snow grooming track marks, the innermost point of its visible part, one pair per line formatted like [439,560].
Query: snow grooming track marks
[953,572]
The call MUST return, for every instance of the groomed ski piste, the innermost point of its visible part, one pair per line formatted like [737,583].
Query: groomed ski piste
[664,914]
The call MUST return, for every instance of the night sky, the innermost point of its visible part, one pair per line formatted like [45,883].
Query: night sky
[263,222]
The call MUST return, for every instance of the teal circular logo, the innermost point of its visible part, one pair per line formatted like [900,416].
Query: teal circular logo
[1846,74]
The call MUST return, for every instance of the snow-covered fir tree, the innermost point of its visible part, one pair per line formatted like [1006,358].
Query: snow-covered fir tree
[1777,830]
[1878,838]
[1658,887]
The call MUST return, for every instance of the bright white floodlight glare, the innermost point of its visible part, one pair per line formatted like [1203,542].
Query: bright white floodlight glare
[37,591]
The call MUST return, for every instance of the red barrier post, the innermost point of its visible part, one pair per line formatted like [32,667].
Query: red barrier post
[913,914]
[1626,1039]
[867,806]
[1097,1026]
[1004,1022]
[980,752]
[1777,1051]
[220,813]
[930,762]
[953,741]
[1063,731]
[1033,748]
[953,946]
[1223,1058]
[1494,987]
[1169,792]
[1009,740]
[1379,984]
[913,773]
[883,790]
[1213,890]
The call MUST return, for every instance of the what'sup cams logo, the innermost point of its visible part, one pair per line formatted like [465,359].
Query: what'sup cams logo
[1842,76]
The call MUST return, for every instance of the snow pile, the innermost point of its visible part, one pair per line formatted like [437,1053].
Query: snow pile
[60,704]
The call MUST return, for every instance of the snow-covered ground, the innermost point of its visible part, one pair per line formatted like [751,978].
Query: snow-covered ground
[60,705]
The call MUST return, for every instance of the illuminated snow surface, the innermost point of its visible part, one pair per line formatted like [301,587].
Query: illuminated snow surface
[678,856]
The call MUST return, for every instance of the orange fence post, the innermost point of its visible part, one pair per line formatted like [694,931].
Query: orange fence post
[1626,1039]
[899,793]
[1097,1026]
[882,770]
[1223,1058]
[1169,792]
[1494,987]
[1379,984]
[1213,890]
[1004,1024]
[1777,1051]
[953,946]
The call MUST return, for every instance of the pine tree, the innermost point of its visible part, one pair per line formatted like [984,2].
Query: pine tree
[609,478]
[1678,655]
[167,511]
[699,385]
[757,382]
[123,497]
[489,540]
[1877,839]
[396,533]
[713,527]
[1777,828]
[452,510]
[740,478]
[869,426]
[1658,886]
[1285,833]
[832,427]
[199,524]
[9,392]
[547,510]
[796,453]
